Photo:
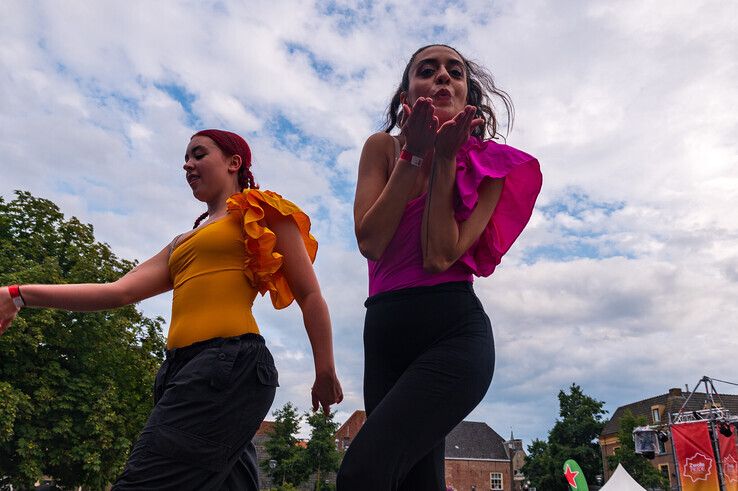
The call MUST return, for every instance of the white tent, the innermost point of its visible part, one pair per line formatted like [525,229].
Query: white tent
[621,481]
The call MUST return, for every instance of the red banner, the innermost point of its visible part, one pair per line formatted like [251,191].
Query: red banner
[729,458]
[697,470]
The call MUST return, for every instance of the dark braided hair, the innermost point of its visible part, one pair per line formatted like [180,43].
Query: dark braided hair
[199,219]
[231,144]
[480,88]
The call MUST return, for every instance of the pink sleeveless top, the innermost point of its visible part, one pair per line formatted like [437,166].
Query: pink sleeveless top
[401,265]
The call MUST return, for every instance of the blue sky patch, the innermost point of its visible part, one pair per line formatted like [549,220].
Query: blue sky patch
[578,242]
[345,18]
[321,67]
[288,134]
[180,94]
[293,139]
[565,251]
[576,203]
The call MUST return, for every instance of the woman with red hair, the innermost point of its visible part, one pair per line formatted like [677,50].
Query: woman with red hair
[218,380]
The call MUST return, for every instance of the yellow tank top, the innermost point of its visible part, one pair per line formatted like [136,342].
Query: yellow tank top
[212,296]
[218,269]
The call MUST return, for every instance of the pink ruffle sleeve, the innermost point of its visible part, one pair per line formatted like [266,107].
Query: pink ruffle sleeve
[476,161]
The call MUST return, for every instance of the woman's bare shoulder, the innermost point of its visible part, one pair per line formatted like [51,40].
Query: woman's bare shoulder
[380,140]
[379,149]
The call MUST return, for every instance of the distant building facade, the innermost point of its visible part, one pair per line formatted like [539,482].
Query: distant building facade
[477,458]
[656,410]
[348,430]
[262,435]
[517,455]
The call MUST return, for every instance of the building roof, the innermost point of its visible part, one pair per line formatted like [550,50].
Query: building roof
[265,428]
[353,424]
[474,440]
[672,402]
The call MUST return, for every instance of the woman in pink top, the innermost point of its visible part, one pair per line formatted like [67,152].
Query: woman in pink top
[435,205]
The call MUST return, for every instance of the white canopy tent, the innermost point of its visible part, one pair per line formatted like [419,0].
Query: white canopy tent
[621,481]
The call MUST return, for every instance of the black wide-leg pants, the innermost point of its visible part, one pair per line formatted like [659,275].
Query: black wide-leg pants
[429,359]
[210,399]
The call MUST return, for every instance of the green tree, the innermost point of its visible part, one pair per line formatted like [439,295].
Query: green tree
[322,456]
[541,468]
[573,436]
[75,388]
[637,466]
[286,462]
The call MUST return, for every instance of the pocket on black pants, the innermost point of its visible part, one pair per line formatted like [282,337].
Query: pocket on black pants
[267,374]
[187,447]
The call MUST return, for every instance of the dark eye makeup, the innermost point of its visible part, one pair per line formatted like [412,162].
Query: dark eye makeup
[428,70]
[197,153]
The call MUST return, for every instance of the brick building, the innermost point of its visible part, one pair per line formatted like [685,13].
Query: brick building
[262,434]
[477,458]
[517,456]
[349,429]
[656,410]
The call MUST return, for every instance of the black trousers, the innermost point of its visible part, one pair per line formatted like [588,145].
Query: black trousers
[210,399]
[429,358]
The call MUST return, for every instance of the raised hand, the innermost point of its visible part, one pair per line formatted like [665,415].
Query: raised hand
[454,133]
[326,391]
[419,126]
[8,310]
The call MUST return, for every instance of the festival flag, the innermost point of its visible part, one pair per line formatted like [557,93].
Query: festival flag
[729,458]
[697,469]
[574,476]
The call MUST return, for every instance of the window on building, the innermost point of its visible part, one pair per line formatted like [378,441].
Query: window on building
[662,447]
[346,442]
[495,480]
[664,469]
[655,414]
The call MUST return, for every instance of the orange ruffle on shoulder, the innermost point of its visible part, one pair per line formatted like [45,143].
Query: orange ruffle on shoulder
[263,265]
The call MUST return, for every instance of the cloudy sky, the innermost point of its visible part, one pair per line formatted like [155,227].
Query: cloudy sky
[626,278]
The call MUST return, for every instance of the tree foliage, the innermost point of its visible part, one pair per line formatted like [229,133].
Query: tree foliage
[289,463]
[637,466]
[75,388]
[573,436]
[322,456]
[286,461]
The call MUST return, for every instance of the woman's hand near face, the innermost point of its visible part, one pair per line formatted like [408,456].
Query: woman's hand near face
[419,126]
[8,310]
[454,133]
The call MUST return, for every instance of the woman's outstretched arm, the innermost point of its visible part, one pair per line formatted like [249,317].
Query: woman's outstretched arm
[145,280]
[300,275]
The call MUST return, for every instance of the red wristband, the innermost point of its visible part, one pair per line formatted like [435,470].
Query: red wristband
[15,294]
[413,159]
